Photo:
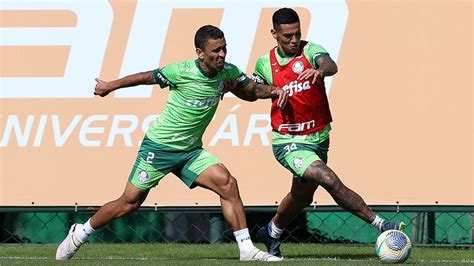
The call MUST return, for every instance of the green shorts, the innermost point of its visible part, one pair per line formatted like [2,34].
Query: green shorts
[297,156]
[154,161]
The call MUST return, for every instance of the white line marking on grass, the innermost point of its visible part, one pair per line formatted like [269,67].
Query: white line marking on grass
[102,258]
[26,258]
[446,261]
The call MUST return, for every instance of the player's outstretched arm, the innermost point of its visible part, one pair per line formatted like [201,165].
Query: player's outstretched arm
[103,88]
[254,91]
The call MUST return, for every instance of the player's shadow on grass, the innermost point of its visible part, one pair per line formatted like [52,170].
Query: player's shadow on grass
[341,256]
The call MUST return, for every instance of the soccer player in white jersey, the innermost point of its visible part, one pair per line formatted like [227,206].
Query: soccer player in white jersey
[173,143]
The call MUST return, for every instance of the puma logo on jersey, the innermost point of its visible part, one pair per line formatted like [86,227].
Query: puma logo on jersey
[295,87]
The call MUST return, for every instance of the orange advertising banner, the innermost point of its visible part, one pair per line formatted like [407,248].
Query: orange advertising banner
[401,102]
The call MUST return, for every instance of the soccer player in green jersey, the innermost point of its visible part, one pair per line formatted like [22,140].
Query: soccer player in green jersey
[173,143]
[300,138]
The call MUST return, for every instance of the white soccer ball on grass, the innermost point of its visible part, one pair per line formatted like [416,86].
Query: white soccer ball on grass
[393,246]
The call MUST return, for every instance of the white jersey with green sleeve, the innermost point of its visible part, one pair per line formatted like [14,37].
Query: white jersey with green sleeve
[263,70]
[192,102]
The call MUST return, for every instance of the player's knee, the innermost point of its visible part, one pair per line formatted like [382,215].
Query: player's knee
[228,186]
[331,181]
[325,177]
[128,207]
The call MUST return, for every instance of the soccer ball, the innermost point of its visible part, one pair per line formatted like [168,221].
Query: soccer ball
[393,246]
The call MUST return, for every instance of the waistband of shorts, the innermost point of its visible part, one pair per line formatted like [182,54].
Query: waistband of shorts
[316,137]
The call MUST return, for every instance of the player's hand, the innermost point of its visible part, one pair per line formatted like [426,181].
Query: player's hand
[229,85]
[308,73]
[282,97]
[102,88]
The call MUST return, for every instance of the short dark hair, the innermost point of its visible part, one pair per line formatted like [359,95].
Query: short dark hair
[205,33]
[284,16]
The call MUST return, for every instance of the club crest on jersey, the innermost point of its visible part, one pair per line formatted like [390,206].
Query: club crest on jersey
[143,176]
[297,67]
[298,162]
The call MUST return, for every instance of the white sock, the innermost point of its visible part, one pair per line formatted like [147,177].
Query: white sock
[83,232]
[244,241]
[273,230]
[377,223]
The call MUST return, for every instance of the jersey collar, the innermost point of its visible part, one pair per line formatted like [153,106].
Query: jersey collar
[202,70]
[278,52]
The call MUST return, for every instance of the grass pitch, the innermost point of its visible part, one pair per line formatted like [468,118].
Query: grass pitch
[217,254]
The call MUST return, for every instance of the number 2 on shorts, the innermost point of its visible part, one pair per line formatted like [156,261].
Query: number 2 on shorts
[149,158]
